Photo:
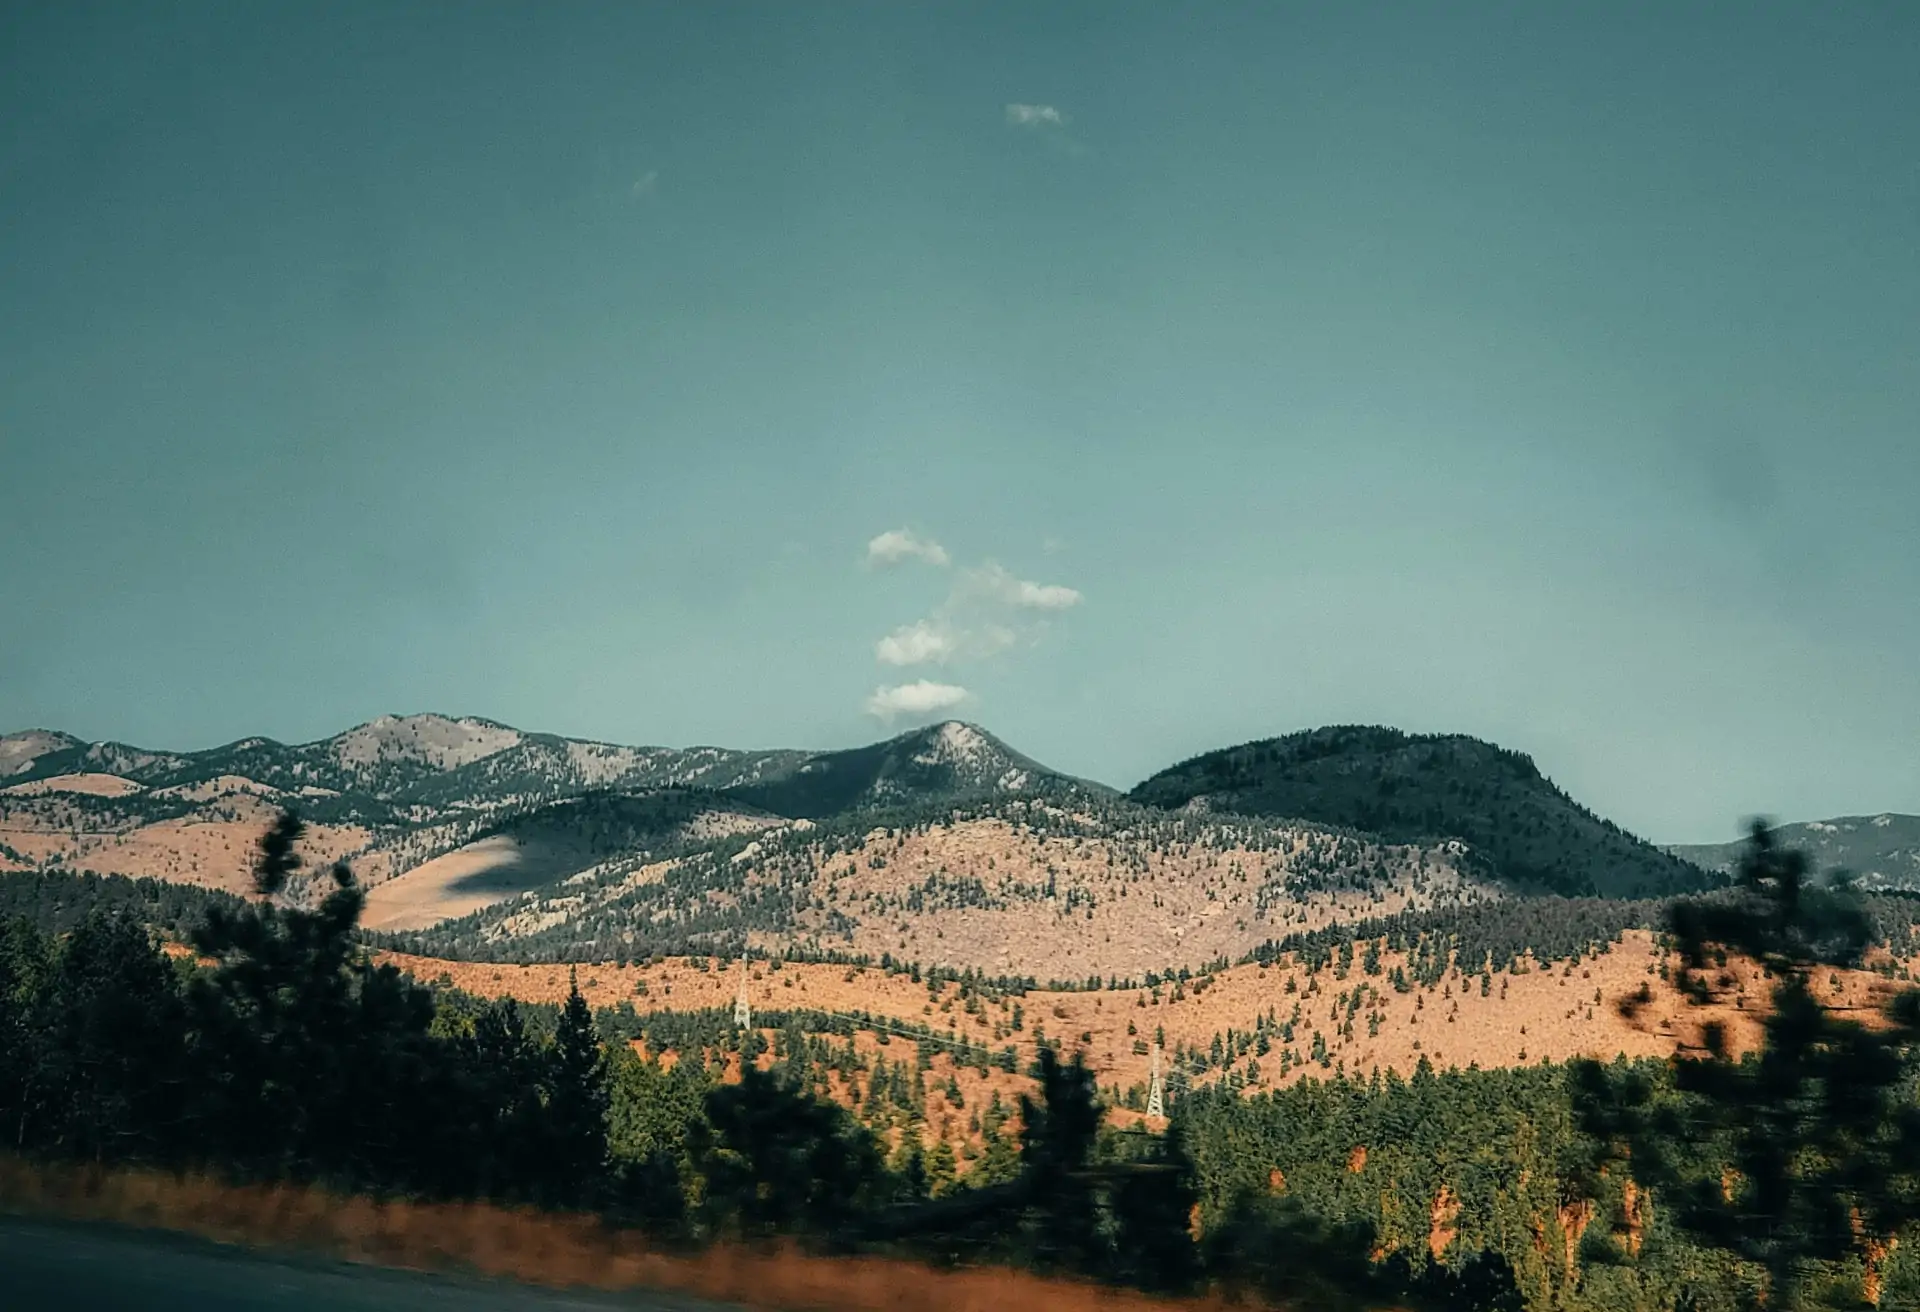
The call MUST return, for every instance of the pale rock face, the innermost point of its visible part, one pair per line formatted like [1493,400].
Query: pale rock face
[431,740]
[595,764]
[18,751]
[118,758]
[720,824]
[955,743]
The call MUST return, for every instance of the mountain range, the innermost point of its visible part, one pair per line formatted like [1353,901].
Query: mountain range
[941,844]
[1881,851]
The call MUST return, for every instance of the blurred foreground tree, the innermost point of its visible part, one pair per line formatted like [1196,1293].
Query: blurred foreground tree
[1056,1140]
[1801,1159]
[309,1062]
[776,1159]
[576,1088]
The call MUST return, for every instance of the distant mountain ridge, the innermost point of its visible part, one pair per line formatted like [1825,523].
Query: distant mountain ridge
[432,759]
[439,761]
[1426,788]
[440,816]
[1882,851]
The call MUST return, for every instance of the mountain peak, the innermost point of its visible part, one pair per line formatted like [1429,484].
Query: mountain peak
[953,742]
[440,742]
[936,763]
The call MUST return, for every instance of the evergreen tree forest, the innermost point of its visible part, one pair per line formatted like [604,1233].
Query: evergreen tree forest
[273,1049]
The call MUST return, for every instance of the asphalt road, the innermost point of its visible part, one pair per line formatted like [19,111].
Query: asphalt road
[79,1268]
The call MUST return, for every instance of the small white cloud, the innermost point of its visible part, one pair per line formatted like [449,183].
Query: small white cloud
[898,544]
[921,697]
[917,643]
[1035,116]
[646,184]
[1045,596]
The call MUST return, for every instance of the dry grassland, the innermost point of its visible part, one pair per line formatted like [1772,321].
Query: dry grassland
[212,848]
[430,893]
[90,785]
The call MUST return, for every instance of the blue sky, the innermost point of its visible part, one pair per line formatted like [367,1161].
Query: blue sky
[1547,373]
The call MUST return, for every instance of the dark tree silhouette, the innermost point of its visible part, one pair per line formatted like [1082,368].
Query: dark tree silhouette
[507,1065]
[1798,1159]
[777,1159]
[277,859]
[1056,1142]
[576,1108]
[1152,1206]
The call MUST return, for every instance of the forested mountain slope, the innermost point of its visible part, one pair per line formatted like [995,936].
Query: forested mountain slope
[1517,826]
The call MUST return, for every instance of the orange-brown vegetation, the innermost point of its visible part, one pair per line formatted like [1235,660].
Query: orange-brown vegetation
[535,1248]
[1535,1013]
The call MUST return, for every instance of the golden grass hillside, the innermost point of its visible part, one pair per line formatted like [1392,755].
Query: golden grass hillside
[1531,1014]
[211,846]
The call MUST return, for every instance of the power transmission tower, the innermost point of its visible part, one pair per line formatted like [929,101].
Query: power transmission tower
[742,1014]
[1156,1087]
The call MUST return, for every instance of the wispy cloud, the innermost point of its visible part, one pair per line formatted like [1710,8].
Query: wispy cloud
[646,184]
[1024,594]
[1035,116]
[921,697]
[901,544]
[954,633]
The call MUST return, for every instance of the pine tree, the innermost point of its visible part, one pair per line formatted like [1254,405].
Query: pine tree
[576,1089]
[943,1171]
